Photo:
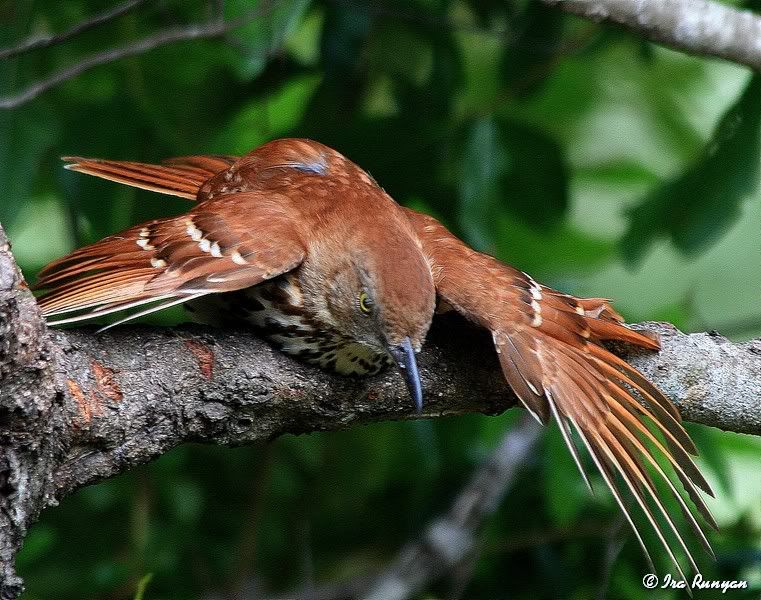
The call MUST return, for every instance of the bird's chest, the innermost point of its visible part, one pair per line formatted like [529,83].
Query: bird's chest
[277,310]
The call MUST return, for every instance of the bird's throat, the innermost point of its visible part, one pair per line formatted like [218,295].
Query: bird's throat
[277,311]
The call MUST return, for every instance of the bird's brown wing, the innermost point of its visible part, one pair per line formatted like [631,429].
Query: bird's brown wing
[549,347]
[181,176]
[218,246]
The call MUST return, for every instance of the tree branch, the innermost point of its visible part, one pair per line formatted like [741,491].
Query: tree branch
[211,29]
[702,27]
[46,41]
[76,408]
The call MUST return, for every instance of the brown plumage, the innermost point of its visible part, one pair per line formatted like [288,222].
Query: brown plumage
[310,250]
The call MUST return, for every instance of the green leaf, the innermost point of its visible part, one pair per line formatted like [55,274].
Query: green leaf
[713,452]
[535,186]
[483,161]
[678,313]
[108,574]
[696,207]
[558,249]
[401,53]
[486,10]
[344,34]
[41,539]
[27,134]
[267,117]
[529,57]
[265,35]
[186,500]
[36,214]
[618,172]
[142,585]
[304,44]
[510,169]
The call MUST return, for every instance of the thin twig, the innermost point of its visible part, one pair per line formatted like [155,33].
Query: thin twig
[37,42]
[449,541]
[207,30]
[451,538]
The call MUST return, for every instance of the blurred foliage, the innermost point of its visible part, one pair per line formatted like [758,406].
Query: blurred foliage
[601,164]
[698,205]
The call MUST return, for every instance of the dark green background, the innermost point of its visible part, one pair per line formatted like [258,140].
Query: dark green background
[601,164]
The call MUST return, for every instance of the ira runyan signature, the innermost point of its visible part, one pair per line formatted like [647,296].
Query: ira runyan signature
[651,582]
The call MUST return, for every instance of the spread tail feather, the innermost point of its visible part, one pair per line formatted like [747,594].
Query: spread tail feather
[181,177]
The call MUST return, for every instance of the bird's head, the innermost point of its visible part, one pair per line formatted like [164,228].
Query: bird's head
[384,297]
[369,278]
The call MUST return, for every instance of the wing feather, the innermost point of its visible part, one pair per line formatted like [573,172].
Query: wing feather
[550,349]
[218,246]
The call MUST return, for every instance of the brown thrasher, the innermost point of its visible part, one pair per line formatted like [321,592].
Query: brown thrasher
[300,242]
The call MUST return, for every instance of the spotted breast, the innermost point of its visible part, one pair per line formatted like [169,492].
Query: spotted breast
[276,310]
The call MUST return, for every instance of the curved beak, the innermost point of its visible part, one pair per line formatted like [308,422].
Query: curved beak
[404,355]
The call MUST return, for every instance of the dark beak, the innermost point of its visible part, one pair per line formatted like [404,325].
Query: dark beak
[404,354]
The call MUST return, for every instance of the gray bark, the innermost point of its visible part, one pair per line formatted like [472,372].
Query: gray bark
[78,407]
[700,27]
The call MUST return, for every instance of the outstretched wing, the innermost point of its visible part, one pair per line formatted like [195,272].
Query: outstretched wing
[549,347]
[220,245]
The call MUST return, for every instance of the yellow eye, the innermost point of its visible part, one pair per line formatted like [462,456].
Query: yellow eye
[365,303]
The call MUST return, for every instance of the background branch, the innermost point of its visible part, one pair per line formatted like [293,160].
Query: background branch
[213,28]
[701,27]
[449,541]
[46,41]
[452,538]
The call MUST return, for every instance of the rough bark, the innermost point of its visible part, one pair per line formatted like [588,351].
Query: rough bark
[77,407]
[698,27]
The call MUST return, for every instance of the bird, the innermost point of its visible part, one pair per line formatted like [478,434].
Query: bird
[300,243]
